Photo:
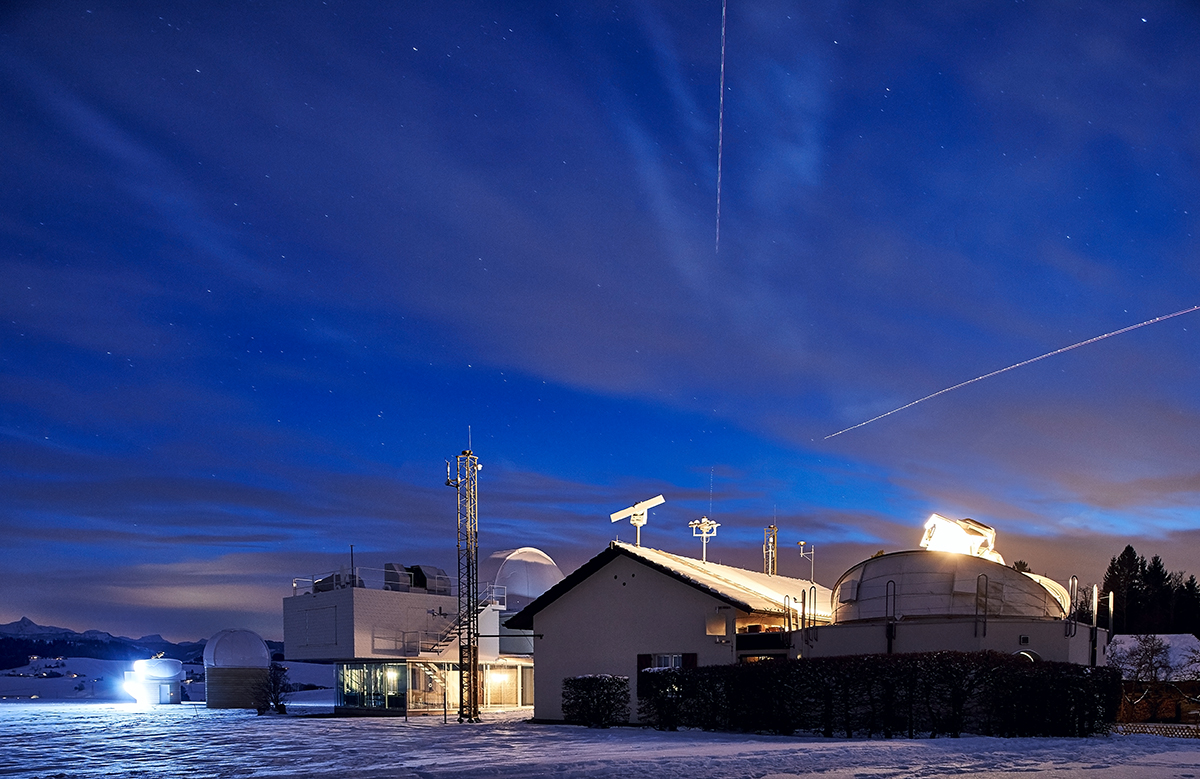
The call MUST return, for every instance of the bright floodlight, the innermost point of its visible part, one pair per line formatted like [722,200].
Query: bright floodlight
[146,680]
[637,514]
[964,536]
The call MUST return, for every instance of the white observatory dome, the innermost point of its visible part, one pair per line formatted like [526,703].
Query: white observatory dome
[159,669]
[527,572]
[236,649]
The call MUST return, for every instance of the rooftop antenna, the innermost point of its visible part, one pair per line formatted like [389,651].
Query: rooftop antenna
[771,550]
[812,561]
[465,479]
[637,514]
[705,528]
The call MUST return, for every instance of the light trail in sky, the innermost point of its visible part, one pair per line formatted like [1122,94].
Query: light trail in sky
[1014,367]
[720,126]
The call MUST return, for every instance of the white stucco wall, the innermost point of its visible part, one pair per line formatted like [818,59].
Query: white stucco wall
[607,620]
[359,623]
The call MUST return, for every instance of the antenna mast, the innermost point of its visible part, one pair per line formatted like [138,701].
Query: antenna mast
[466,480]
[771,550]
[705,528]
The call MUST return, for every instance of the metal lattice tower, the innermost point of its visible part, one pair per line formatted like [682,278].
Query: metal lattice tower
[771,550]
[466,481]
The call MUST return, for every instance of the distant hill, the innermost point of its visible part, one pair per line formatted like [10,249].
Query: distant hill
[20,639]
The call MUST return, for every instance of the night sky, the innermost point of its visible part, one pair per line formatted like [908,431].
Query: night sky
[264,267]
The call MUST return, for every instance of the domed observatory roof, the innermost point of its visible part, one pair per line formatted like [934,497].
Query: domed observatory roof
[159,669]
[526,573]
[957,573]
[236,649]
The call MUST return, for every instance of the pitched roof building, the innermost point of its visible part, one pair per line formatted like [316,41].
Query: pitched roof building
[630,608]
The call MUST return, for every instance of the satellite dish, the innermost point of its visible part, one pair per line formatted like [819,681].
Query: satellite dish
[637,514]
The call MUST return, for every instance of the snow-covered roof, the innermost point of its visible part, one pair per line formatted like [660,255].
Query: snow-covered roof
[759,591]
[749,591]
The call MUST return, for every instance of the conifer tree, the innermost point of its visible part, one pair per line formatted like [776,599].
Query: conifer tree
[1124,579]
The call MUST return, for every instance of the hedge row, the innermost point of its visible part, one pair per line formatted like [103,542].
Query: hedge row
[910,695]
[596,701]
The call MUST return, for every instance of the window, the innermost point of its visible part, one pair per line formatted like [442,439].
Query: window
[659,662]
[666,661]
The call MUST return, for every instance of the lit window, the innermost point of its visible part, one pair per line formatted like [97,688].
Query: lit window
[667,661]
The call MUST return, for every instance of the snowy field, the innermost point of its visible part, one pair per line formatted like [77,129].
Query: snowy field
[65,739]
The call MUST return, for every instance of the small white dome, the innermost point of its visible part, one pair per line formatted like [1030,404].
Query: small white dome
[236,649]
[527,573]
[159,669]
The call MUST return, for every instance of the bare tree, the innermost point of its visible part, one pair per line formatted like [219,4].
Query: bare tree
[274,691]
[1151,673]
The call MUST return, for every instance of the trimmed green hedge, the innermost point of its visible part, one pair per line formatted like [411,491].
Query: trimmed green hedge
[931,694]
[596,700]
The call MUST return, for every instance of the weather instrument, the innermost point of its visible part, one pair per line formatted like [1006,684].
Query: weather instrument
[637,514]
[704,528]
[811,555]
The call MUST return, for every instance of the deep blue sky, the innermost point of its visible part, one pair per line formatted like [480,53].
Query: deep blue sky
[264,264]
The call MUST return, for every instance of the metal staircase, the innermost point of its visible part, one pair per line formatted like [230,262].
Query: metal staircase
[491,595]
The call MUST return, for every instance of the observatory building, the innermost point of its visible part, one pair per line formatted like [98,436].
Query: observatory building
[393,634]
[631,608]
[154,681]
[955,593]
[236,663]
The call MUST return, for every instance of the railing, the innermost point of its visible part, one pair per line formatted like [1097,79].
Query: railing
[492,595]
[981,603]
[413,643]
[391,577]
[1167,729]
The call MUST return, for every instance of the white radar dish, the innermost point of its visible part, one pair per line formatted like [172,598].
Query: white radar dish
[637,514]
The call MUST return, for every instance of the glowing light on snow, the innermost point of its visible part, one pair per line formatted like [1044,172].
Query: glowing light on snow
[144,683]
[139,693]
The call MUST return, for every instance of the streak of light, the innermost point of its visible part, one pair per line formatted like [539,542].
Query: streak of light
[1014,367]
[720,127]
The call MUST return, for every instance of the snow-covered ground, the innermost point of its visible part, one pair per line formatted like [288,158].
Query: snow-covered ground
[109,740]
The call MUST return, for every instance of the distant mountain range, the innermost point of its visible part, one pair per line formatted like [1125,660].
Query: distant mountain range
[24,637]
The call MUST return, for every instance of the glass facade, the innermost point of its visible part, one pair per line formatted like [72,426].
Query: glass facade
[419,687]
[382,686]
[434,687]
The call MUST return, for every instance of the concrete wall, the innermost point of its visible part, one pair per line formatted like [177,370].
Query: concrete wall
[1045,638]
[606,621]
